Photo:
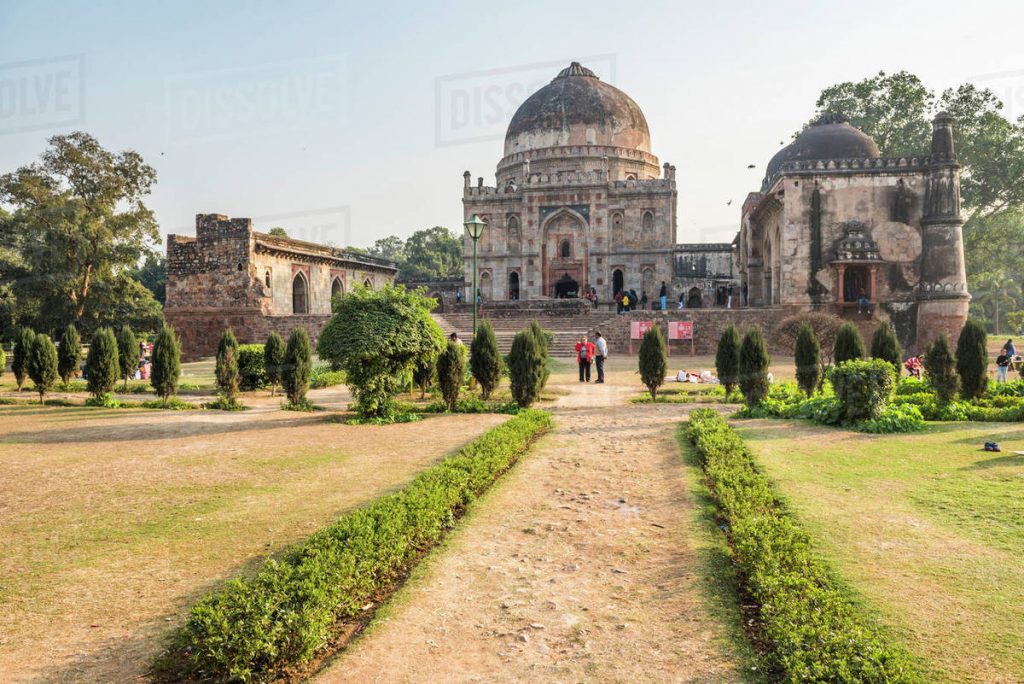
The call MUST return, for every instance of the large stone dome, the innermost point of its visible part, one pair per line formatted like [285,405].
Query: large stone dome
[830,137]
[577,108]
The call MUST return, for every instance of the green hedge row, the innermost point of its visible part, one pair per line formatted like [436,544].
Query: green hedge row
[812,630]
[254,626]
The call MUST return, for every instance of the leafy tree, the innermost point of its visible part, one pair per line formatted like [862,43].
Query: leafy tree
[69,355]
[885,346]
[527,367]
[940,369]
[377,337]
[166,359]
[278,231]
[42,364]
[19,359]
[544,338]
[391,247]
[972,360]
[102,366]
[727,358]
[451,372]
[127,353]
[432,253]
[153,276]
[297,367]
[754,362]
[849,344]
[995,293]
[273,358]
[825,326]
[808,360]
[653,360]
[485,359]
[79,228]
[226,370]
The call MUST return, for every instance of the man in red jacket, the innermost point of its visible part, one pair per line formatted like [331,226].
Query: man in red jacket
[585,356]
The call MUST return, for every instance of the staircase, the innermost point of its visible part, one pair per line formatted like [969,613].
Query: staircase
[866,324]
[566,329]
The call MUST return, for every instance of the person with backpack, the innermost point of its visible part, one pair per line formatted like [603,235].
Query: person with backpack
[585,356]
[625,302]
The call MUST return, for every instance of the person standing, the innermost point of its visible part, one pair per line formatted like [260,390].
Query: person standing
[745,293]
[618,302]
[1002,366]
[663,296]
[601,355]
[1009,349]
[682,301]
[584,356]
[643,301]
[728,297]
[625,302]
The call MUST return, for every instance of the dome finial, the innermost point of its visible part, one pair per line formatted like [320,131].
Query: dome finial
[830,118]
[576,69]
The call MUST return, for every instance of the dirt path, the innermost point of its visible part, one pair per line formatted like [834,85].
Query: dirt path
[581,565]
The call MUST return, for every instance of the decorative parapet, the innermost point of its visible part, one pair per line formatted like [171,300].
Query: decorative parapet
[850,166]
[569,178]
[593,151]
[943,291]
[317,253]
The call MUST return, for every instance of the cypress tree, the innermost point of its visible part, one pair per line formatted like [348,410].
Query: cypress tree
[127,353]
[940,368]
[808,359]
[19,359]
[273,357]
[849,344]
[102,367]
[754,362]
[42,364]
[451,371]
[653,360]
[727,358]
[972,360]
[485,359]
[166,363]
[297,367]
[527,367]
[543,344]
[423,375]
[226,370]
[69,355]
[885,346]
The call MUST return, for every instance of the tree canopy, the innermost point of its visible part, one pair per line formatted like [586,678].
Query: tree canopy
[427,254]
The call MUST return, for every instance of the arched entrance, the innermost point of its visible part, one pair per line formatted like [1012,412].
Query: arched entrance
[513,286]
[337,288]
[564,253]
[566,287]
[694,299]
[618,281]
[300,294]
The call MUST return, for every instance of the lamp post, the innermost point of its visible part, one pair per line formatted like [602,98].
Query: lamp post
[475,227]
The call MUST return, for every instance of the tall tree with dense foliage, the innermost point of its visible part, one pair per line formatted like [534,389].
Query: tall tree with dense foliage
[886,346]
[527,368]
[808,360]
[849,344]
[226,368]
[273,358]
[940,369]
[153,276]
[69,355]
[297,367]
[485,359]
[377,336]
[79,228]
[727,358]
[972,360]
[544,338]
[451,372]
[432,253]
[20,355]
[127,353]
[653,360]
[166,357]
[42,364]
[754,362]
[102,367]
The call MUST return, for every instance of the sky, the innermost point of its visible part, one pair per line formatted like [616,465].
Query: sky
[346,122]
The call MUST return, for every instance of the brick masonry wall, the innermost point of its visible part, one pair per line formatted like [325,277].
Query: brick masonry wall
[200,332]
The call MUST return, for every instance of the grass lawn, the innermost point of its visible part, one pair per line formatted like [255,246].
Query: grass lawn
[927,528]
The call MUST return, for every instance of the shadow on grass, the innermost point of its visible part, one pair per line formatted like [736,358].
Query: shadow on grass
[997,462]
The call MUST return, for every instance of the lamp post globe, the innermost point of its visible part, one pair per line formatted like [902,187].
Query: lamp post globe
[475,227]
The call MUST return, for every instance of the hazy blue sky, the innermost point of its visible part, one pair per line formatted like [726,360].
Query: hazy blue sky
[351,121]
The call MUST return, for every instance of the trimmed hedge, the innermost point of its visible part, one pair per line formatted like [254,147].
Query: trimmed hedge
[254,626]
[863,388]
[812,630]
[252,367]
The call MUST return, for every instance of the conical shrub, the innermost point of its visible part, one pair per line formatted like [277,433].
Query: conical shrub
[727,358]
[972,360]
[849,344]
[527,368]
[273,358]
[754,362]
[886,346]
[166,363]
[653,360]
[69,355]
[102,367]
[19,357]
[42,364]
[298,366]
[485,359]
[808,359]
[940,369]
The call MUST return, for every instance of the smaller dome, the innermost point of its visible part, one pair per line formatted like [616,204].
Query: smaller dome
[829,137]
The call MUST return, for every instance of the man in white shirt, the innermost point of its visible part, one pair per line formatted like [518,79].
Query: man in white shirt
[602,353]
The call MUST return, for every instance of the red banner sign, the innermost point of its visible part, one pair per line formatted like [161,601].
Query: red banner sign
[680,330]
[638,328]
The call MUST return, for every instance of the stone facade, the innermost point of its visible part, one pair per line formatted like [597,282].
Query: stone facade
[229,275]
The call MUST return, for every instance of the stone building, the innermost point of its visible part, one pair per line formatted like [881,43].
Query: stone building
[834,223]
[229,275]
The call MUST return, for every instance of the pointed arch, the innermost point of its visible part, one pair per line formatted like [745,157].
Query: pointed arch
[300,294]
[337,287]
[647,228]
[617,234]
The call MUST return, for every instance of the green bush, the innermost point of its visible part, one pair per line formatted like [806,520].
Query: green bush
[20,355]
[297,367]
[886,346]
[69,355]
[911,385]
[811,630]
[485,359]
[102,367]
[653,361]
[377,337]
[849,344]
[972,360]
[808,359]
[253,627]
[940,369]
[127,354]
[423,376]
[754,362]
[252,371]
[527,367]
[166,369]
[894,419]
[323,376]
[451,372]
[273,359]
[226,371]
[42,364]
[863,388]
[727,358]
